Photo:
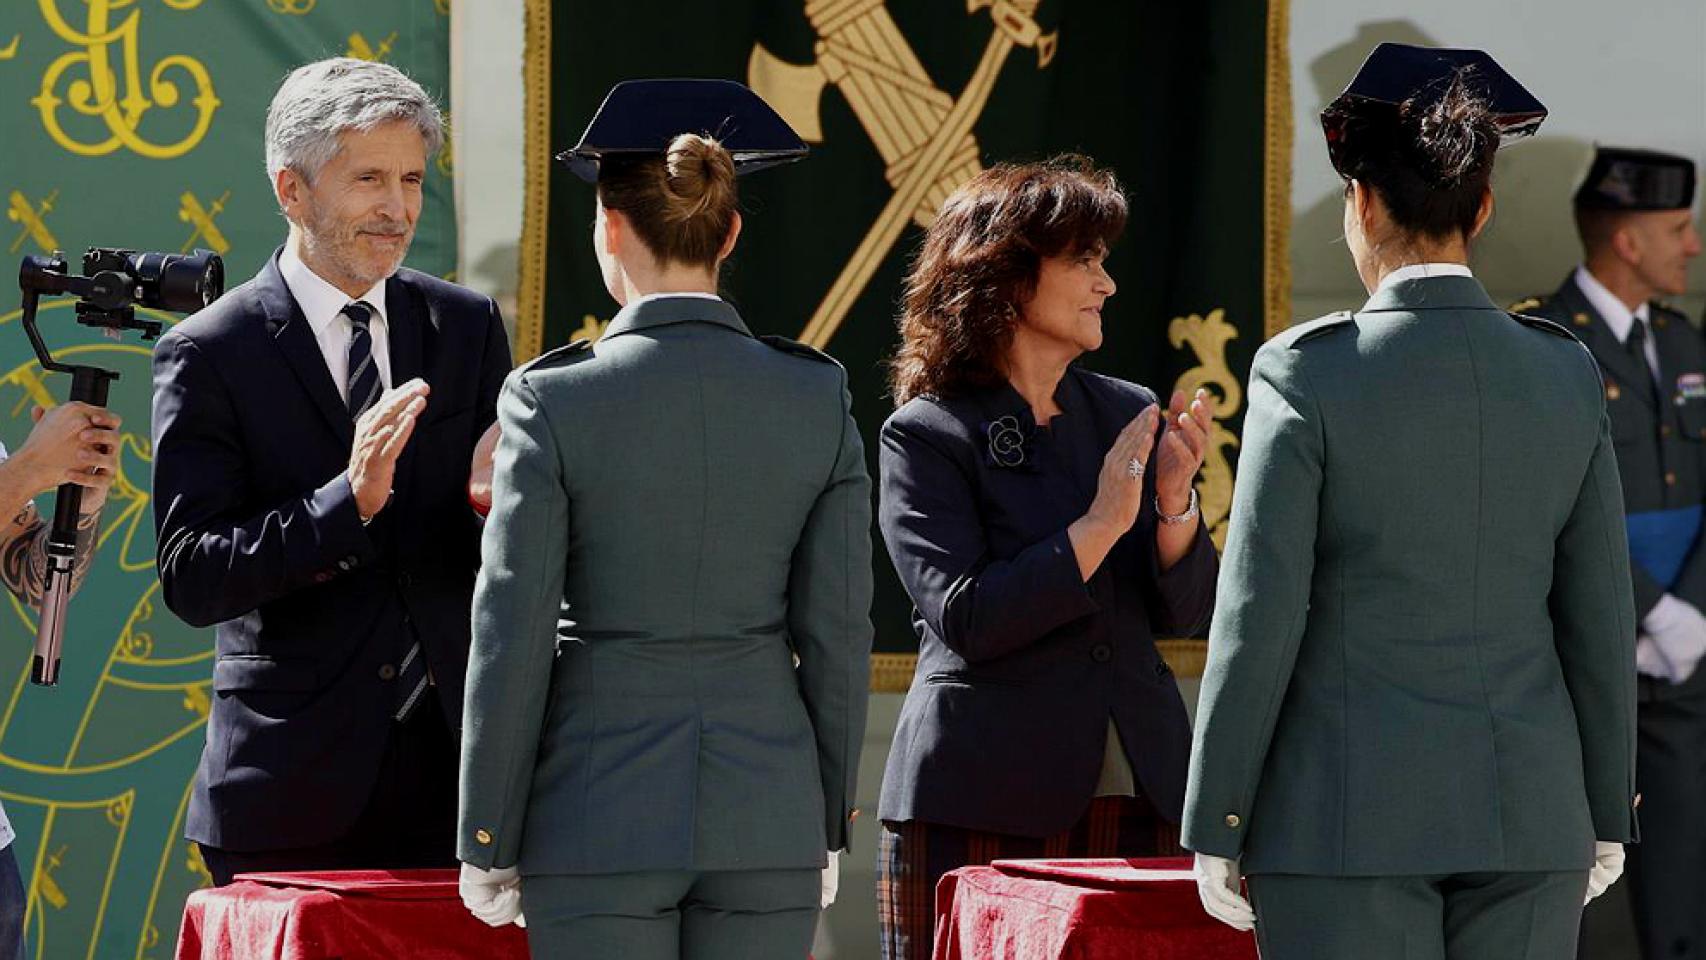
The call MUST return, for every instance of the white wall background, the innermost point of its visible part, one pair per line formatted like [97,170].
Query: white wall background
[1629,73]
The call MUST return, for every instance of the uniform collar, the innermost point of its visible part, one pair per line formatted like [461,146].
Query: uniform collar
[1619,319]
[1428,288]
[321,302]
[662,310]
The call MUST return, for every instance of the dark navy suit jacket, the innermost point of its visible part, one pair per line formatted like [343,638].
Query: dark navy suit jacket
[259,534]
[1021,663]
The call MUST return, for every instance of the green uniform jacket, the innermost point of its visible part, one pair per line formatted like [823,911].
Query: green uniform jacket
[1422,653]
[1661,448]
[678,512]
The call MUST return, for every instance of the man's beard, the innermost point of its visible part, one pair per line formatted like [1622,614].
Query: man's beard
[338,247]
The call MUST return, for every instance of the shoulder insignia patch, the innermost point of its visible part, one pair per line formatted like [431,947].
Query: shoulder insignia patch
[796,348]
[1541,323]
[571,349]
[1316,328]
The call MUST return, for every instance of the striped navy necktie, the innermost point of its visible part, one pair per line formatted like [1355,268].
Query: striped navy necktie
[364,385]
[364,390]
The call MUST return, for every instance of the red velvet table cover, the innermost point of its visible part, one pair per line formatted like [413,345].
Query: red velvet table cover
[1080,910]
[347,915]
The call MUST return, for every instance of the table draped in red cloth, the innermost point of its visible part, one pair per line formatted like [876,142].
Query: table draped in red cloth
[347,915]
[1080,910]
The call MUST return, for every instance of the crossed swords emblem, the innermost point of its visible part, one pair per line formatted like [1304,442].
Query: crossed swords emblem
[923,134]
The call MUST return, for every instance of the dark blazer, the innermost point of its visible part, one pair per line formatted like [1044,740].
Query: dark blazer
[1021,663]
[1422,659]
[678,513]
[258,534]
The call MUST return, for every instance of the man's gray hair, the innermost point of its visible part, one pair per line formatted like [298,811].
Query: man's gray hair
[319,101]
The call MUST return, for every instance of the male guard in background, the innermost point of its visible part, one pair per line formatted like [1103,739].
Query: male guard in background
[312,436]
[1634,214]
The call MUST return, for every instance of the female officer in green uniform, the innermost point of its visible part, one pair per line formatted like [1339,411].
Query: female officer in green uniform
[680,513]
[1417,717]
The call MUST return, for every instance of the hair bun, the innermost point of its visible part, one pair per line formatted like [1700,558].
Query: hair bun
[700,176]
[1454,137]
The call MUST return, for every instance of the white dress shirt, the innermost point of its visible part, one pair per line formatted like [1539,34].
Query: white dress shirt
[1618,316]
[323,305]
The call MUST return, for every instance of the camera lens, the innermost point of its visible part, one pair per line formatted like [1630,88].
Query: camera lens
[181,284]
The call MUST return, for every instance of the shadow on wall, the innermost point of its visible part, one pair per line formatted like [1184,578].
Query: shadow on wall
[1526,250]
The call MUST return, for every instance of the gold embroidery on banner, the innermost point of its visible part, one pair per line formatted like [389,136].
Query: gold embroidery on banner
[442,6]
[11,49]
[294,8]
[446,160]
[191,211]
[32,221]
[536,170]
[362,50]
[923,134]
[1276,174]
[48,888]
[98,94]
[1207,338]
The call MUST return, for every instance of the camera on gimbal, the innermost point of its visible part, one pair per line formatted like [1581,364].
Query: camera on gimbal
[114,283]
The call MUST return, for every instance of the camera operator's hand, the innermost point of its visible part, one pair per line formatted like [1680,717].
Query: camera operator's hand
[380,436]
[72,443]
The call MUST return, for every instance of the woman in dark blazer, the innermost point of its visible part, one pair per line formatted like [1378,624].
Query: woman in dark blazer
[1042,519]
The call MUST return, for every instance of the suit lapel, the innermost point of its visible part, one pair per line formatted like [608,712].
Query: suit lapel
[295,340]
[1629,371]
[406,321]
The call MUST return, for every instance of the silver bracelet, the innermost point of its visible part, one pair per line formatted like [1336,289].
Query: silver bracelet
[1186,517]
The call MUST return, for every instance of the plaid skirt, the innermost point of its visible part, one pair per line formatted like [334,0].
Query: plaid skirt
[913,855]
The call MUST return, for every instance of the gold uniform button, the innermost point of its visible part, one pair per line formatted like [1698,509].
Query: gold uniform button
[1612,392]
[483,838]
[1234,821]
[1670,479]
[1582,320]
[1664,429]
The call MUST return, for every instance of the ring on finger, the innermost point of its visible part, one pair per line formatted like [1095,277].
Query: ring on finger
[1134,468]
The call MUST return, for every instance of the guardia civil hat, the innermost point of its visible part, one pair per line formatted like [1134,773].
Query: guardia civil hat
[641,117]
[1396,74]
[1625,179]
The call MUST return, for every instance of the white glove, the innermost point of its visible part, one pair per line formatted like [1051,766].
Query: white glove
[831,878]
[1677,631]
[1607,867]
[494,896]
[1219,888]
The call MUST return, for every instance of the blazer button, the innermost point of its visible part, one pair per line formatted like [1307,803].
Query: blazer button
[1234,821]
[1670,479]
[1664,429]
[483,838]
[388,672]
[1101,653]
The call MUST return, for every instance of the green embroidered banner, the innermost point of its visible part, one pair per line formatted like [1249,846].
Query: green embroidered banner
[139,124]
[902,102]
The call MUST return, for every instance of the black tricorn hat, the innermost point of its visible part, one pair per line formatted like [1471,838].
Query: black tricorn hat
[1626,179]
[640,117]
[1398,73]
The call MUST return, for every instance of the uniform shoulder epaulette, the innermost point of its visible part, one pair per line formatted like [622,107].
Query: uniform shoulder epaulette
[1541,323]
[1670,310]
[1523,306]
[573,348]
[796,348]
[1322,326]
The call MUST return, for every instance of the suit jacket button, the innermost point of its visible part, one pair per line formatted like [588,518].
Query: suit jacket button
[387,672]
[1101,653]
[483,838]
[1664,429]
[1234,821]
[1670,479]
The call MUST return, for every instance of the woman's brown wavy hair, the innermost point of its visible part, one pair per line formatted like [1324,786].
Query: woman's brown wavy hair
[979,265]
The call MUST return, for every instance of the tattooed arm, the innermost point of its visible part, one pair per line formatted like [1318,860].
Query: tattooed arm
[72,443]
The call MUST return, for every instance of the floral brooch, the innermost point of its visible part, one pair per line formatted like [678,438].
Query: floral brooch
[1008,442]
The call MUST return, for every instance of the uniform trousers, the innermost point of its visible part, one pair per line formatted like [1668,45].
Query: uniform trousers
[1667,869]
[408,822]
[1472,916]
[673,915]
